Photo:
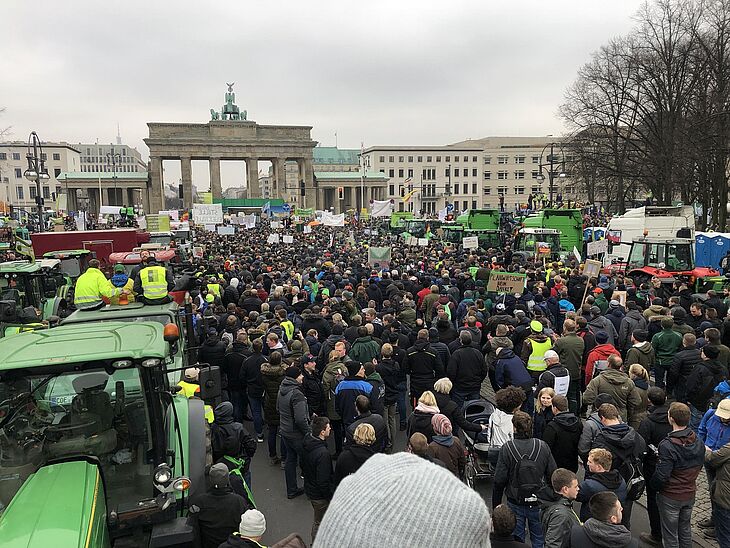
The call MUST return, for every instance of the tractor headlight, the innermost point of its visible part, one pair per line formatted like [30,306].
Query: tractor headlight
[152,362]
[181,484]
[163,474]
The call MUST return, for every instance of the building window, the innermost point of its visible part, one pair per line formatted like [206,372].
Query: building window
[420,159]
[3,156]
[391,190]
[88,151]
[410,173]
[473,204]
[535,189]
[535,173]
[448,158]
[520,174]
[474,188]
[44,156]
[391,159]
[56,156]
[466,205]
[18,173]
[519,159]
[487,175]
[456,188]
[400,172]
[19,193]
[438,158]
[487,159]
[16,155]
[474,172]
[501,190]
[502,159]
[487,191]
[519,190]
[124,152]
[46,192]
[33,193]
[474,159]
[56,172]
[391,172]
[382,159]
[456,172]
[429,159]
[456,158]
[410,159]
[501,175]
[400,159]
[535,159]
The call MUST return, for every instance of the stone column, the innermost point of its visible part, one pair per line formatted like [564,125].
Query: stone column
[155,185]
[253,189]
[186,175]
[308,173]
[280,174]
[215,177]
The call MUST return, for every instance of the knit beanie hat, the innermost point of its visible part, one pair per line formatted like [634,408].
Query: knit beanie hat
[253,524]
[293,372]
[445,513]
[441,425]
[601,337]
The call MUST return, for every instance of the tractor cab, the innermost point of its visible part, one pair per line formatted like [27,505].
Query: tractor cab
[130,259]
[73,262]
[420,228]
[532,242]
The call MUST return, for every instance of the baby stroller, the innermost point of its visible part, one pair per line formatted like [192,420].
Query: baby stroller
[481,457]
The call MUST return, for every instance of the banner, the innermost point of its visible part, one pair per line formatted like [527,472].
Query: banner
[470,242]
[309,212]
[381,208]
[328,219]
[272,239]
[506,282]
[577,254]
[157,223]
[543,248]
[174,214]
[597,247]
[379,255]
[275,225]
[109,210]
[247,221]
[208,214]
[226,230]
[442,214]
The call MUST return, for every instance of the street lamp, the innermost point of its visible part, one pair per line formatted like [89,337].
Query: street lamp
[114,159]
[551,163]
[36,172]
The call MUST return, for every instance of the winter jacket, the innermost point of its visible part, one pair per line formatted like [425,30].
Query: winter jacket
[312,390]
[420,421]
[316,322]
[666,344]
[548,378]
[712,432]
[638,413]
[450,451]
[633,321]
[616,316]
[213,351]
[624,443]
[449,408]
[682,366]
[562,435]
[654,428]
[557,518]
[598,534]
[500,429]
[467,369]
[681,456]
[653,311]
[597,483]
[505,472]
[570,349]
[643,354]
[621,388]
[271,377]
[333,370]
[347,392]
[598,360]
[540,420]
[702,382]
[214,514]
[423,366]
[378,424]
[601,323]
[591,428]
[392,376]
[511,370]
[232,363]
[720,490]
[317,469]
[250,373]
[364,349]
[442,351]
[230,438]
[293,411]
[350,461]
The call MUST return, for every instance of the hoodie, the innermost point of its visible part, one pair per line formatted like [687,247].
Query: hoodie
[562,434]
[681,457]
[642,354]
[596,483]
[511,370]
[500,428]
[702,381]
[599,534]
[598,359]
[293,410]
[633,321]
[622,441]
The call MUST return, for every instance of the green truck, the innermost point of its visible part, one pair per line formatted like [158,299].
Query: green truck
[542,242]
[455,233]
[480,219]
[97,448]
[398,221]
[568,221]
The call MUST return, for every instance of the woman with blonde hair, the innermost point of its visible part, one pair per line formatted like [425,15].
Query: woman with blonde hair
[420,420]
[543,411]
[640,376]
[353,456]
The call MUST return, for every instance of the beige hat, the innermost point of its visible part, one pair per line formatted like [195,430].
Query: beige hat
[723,409]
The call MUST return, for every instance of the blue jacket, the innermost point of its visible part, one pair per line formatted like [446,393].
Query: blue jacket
[712,432]
[511,370]
[596,483]
[347,392]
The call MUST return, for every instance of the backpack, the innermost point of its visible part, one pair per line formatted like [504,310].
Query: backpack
[338,378]
[529,478]
[716,398]
[629,467]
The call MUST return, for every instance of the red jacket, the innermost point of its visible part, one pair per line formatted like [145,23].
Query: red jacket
[599,353]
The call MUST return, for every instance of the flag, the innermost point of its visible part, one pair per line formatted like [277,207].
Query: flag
[408,196]
[266,208]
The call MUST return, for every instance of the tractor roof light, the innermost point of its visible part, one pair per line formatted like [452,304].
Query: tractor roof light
[181,484]
[163,474]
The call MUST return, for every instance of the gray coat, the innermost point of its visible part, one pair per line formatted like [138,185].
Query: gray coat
[293,412]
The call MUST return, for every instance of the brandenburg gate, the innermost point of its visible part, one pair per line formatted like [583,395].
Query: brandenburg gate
[228,136]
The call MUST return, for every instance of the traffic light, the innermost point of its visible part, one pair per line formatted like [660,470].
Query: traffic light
[448,189]
[340,193]
[180,191]
[302,188]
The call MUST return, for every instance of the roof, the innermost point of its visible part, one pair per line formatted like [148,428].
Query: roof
[334,155]
[349,175]
[669,241]
[96,175]
[19,266]
[134,257]
[48,262]
[46,145]
[66,253]
[113,312]
[102,341]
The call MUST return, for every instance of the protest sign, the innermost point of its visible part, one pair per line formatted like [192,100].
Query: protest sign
[272,239]
[597,247]
[470,242]
[288,239]
[207,214]
[307,229]
[592,268]
[543,249]
[506,282]
[198,252]
[620,296]
[423,242]
[157,223]
[576,253]
[379,255]
[226,230]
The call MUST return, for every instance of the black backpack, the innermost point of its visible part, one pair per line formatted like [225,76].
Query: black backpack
[629,466]
[529,477]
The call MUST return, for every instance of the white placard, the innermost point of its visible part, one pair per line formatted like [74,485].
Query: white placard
[198,252]
[210,228]
[275,225]
[592,268]
[470,242]
[288,239]
[307,229]
[597,247]
[109,210]
[423,242]
[576,253]
[174,214]
[329,219]
[412,241]
[226,230]
[141,223]
[205,214]
[272,239]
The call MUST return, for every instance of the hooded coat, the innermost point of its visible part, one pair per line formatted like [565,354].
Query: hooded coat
[364,349]
[633,321]
[350,461]
[702,382]
[654,428]
[230,438]
[681,456]
[598,534]
[562,435]
[596,483]
[213,351]
[622,441]
[599,354]
[642,354]
[510,370]
[619,386]
[293,410]
[271,375]
[450,451]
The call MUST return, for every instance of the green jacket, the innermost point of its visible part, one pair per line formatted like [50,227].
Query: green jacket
[601,303]
[329,384]
[719,460]
[364,349]
[666,344]
[642,354]
[570,349]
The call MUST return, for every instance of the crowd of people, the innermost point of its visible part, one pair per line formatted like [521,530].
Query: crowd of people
[598,402]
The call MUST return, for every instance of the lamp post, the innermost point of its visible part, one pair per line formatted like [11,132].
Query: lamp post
[36,172]
[551,163]
[113,159]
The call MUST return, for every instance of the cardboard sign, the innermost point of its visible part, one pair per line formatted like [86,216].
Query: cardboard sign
[210,228]
[506,282]
[543,248]
[288,239]
[226,230]
[592,268]
[597,247]
[576,253]
[307,229]
[470,242]
[379,255]
[275,225]
[208,214]
[423,242]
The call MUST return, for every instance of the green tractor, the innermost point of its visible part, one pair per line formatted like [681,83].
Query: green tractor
[74,262]
[97,448]
[540,242]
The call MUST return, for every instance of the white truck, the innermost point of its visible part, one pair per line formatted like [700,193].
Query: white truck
[652,221]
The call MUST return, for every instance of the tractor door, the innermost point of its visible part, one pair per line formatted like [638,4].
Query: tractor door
[102,249]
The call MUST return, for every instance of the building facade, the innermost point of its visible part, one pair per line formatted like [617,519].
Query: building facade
[105,158]
[16,190]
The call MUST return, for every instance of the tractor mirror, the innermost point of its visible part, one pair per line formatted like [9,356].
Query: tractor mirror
[209,379]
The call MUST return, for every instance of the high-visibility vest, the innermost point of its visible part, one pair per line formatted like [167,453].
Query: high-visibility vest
[92,285]
[189,390]
[215,289]
[536,362]
[154,282]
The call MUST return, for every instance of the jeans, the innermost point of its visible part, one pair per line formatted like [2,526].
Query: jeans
[660,373]
[711,474]
[675,517]
[319,507]
[256,412]
[239,399]
[273,431]
[293,456]
[460,397]
[532,517]
[695,417]
[402,409]
[391,420]
[722,525]
[655,524]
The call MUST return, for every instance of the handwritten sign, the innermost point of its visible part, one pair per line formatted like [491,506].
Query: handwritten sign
[470,242]
[597,247]
[506,282]
[207,214]
[592,268]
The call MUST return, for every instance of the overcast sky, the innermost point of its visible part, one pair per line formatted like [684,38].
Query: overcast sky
[386,72]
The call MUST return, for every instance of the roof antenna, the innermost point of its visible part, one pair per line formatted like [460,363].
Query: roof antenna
[119,137]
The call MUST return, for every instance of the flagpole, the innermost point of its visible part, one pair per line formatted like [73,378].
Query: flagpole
[362,177]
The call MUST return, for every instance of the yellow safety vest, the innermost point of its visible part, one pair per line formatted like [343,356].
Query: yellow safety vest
[536,362]
[189,390]
[288,328]
[154,282]
[215,289]
[92,285]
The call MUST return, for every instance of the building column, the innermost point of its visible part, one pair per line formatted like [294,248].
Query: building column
[215,177]
[155,185]
[253,189]
[186,175]
[308,173]
[319,202]
[280,176]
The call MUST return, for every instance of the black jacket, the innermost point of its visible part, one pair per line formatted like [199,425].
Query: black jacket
[505,472]
[230,295]
[683,364]
[420,422]
[213,351]
[392,375]
[378,424]
[598,534]
[350,461]
[316,322]
[317,469]
[423,366]
[232,362]
[622,441]
[702,381]
[654,428]
[562,435]
[467,369]
[547,377]
[293,411]
[213,515]
[312,388]
[449,408]
[250,375]
[235,540]
[229,437]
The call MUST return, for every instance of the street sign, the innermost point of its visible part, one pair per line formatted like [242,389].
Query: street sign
[506,282]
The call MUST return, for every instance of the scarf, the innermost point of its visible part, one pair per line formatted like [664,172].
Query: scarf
[433,410]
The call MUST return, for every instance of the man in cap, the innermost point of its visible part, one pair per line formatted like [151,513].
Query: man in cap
[294,425]
[250,531]
[714,432]
[534,348]
[312,385]
[555,375]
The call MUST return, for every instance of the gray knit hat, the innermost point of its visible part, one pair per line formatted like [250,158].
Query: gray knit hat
[427,506]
